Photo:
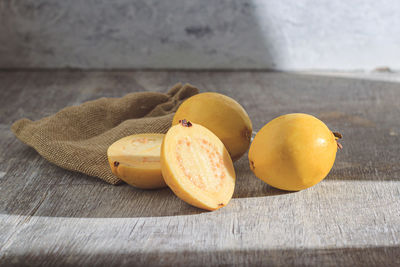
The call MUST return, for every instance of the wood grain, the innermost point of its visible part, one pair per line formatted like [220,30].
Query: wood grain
[50,216]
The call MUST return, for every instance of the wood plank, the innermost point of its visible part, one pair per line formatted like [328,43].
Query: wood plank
[50,216]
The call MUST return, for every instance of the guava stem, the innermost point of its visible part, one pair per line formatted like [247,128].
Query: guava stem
[337,137]
[185,123]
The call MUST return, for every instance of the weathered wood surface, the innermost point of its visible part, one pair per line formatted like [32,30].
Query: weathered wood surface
[50,216]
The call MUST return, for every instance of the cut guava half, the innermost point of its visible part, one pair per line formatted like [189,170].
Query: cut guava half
[197,167]
[135,159]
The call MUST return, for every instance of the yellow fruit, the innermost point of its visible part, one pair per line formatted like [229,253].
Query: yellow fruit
[197,167]
[222,115]
[135,159]
[293,152]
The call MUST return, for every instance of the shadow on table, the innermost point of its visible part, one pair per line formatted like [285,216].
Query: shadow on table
[370,256]
[43,189]
[248,185]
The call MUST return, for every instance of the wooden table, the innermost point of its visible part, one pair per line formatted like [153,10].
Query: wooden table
[50,216]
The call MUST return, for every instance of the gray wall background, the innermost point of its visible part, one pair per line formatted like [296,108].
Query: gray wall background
[204,34]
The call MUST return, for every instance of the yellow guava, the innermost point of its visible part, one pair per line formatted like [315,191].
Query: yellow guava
[222,115]
[293,152]
[135,159]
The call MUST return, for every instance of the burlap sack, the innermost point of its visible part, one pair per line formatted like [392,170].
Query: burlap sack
[76,138]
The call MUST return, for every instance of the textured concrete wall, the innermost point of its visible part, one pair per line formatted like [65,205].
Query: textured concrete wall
[279,34]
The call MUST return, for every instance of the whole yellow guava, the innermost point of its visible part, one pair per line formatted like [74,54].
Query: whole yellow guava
[293,152]
[222,115]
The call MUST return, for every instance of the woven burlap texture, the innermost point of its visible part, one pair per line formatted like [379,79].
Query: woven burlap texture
[76,138]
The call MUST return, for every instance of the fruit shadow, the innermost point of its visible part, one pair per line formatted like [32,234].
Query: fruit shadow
[249,186]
